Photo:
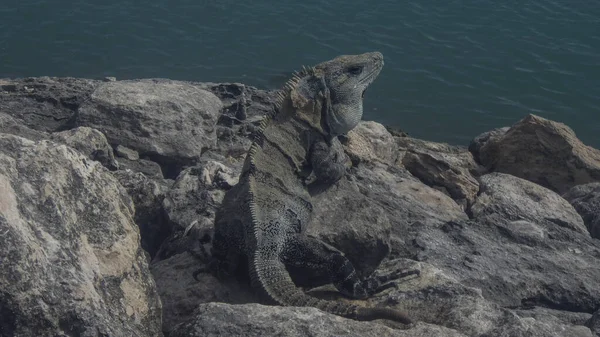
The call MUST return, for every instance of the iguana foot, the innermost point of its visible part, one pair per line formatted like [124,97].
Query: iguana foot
[378,283]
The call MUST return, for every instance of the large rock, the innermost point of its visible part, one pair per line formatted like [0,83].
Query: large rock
[516,199]
[405,200]
[168,121]
[45,103]
[586,200]
[371,141]
[89,142]
[147,195]
[525,246]
[448,168]
[544,152]
[71,259]
[219,319]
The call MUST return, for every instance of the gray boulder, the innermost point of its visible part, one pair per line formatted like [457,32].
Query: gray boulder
[71,259]
[586,200]
[170,122]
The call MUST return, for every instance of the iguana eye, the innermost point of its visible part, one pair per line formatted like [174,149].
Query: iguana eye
[355,70]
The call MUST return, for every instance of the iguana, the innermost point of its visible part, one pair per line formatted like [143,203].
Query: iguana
[262,219]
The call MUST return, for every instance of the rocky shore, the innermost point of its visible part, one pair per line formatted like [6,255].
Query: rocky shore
[108,190]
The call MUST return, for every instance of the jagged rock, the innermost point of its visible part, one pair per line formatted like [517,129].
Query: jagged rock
[516,263]
[10,125]
[544,152]
[405,200]
[181,293]
[353,223]
[219,319]
[371,141]
[516,199]
[198,191]
[126,152]
[46,104]
[149,168]
[170,122]
[71,260]
[586,200]
[594,323]
[441,166]
[90,142]
[147,195]
[480,141]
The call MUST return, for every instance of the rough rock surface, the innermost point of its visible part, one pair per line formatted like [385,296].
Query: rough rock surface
[90,142]
[168,121]
[448,168]
[516,199]
[498,255]
[70,254]
[586,200]
[219,319]
[544,152]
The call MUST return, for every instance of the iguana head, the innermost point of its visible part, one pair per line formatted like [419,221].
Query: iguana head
[346,79]
[329,95]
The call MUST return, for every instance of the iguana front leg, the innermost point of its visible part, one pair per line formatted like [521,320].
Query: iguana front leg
[328,160]
[312,263]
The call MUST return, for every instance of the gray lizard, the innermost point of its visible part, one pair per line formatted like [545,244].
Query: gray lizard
[262,219]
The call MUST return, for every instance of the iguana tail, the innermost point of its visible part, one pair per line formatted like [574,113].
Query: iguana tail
[271,276]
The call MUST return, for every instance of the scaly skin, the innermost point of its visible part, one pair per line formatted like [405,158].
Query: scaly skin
[263,218]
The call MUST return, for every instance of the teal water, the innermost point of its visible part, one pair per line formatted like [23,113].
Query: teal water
[453,68]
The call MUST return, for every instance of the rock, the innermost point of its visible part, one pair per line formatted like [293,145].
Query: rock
[219,319]
[46,104]
[149,168]
[594,323]
[353,223]
[147,195]
[10,125]
[516,199]
[515,264]
[126,152]
[170,122]
[480,141]
[448,168]
[71,260]
[181,293]
[405,200]
[89,142]
[586,200]
[544,152]
[198,191]
[371,141]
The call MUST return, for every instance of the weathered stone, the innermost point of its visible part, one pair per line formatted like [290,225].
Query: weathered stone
[170,122]
[441,166]
[70,254]
[594,323]
[149,168]
[371,141]
[89,142]
[516,199]
[147,195]
[544,152]
[181,293]
[125,152]
[46,104]
[480,141]
[219,319]
[586,200]
[353,223]
[405,200]
[9,125]
[198,191]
